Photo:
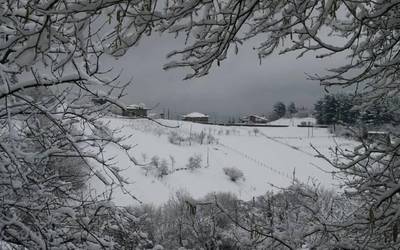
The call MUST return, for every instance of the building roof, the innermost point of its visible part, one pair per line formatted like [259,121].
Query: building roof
[260,117]
[378,132]
[256,116]
[195,115]
[136,106]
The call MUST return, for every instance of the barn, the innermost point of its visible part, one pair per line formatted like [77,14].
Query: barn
[254,119]
[195,117]
[135,110]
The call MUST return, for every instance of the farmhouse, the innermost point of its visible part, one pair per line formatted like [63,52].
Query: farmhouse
[135,110]
[195,117]
[254,119]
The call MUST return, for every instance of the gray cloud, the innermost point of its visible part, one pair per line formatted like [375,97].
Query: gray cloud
[239,86]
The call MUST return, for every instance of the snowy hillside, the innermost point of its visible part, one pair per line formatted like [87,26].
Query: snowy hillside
[293,121]
[269,155]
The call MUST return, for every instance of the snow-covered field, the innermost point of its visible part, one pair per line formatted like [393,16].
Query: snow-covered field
[267,156]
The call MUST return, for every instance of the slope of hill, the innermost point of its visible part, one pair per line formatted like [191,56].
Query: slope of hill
[269,157]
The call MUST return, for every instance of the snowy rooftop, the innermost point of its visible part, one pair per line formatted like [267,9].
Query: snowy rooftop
[378,132]
[195,114]
[136,106]
[259,117]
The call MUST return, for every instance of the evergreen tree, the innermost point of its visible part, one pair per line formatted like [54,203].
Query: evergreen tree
[339,108]
[292,109]
[319,111]
[279,109]
[377,114]
[326,110]
[345,112]
[332,109]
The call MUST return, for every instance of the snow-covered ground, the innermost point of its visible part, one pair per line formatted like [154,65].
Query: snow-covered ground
[268,157]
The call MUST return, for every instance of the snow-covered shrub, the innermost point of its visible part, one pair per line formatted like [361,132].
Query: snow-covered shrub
[157,167]
[148,168]
[175,225]
[163,169]
[225,222]
[194,162]
[234,173]
[256,131]
[175,138]
[211,139]
[203,138]
[194,138]
[155,161]
[137,230]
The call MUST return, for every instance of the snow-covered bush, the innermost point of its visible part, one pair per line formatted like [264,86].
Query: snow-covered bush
[256,131]
[294,218]
[194,138]
[210,139]
[194,162]
[175,224]
[234,174]
[155,161]
[203,138]
[157,167]
[163,169]
[136,231]
[148,168]
[175,138]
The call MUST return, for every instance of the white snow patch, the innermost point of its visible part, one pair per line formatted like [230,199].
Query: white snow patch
[195,115]
[267,157]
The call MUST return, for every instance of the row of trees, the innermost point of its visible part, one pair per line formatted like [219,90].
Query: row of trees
[296,218]
[346,109]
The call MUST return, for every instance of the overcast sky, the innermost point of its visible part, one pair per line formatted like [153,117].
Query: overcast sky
[239,86]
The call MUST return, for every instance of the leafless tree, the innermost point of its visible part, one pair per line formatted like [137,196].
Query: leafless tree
[366,32]
[52,139]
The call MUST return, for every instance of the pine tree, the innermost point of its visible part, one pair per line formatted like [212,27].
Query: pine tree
[279,109]
[292,109]
[345,112]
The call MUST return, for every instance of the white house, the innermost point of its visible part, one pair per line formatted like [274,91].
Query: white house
[196,117]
